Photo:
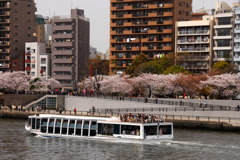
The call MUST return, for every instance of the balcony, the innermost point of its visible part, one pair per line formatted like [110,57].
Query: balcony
[62,60]
[152,23]
[192,41]
[192,58]
[237,39]
[237,30]
[113,32]
[200,32]
[63,27]
[4,50]
[152,31]
[127,32]
[148,40]
[7,6]
[62,44]
[167,31]
[167,39]
[167,48]
[4,43]
[237,21]
[5,36]
[28,68]
[113,16]
[202,49]
[167,22]
[127,24]
[3,14]
[28,61]
[152,14]
[63,69]
[63,52]
[237,58]
[236,49]
[127,16]
[62,36]
[128,7]
[62,77]
[5,21]
[5,28]
[112,57]
[168,14]
[113,8]
[218,48]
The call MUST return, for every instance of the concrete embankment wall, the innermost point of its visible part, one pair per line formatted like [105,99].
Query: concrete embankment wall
[16,99]
[12,115]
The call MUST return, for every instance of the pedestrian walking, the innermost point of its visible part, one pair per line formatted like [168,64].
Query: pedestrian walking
[75,111]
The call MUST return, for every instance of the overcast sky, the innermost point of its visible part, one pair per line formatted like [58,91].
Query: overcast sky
[99,12]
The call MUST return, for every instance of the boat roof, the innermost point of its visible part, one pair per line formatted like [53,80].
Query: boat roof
[71,117]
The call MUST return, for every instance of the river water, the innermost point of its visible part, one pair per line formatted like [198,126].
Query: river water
[16,143]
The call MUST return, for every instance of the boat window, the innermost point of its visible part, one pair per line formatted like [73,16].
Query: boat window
[85,128]
[99,128]
[86,125]
[94,125]
[130,130]
[79,128]
[150,130]
[107,129]
[33,123]
[44,125]
[57,126]
[116,129]
[64,126]
[50,126]
[38,123]
[71,127]
[51,123]
[165,130]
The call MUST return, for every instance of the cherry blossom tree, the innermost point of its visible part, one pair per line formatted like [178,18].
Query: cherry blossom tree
[14,82]
[44,85]
[224,85]
[116,85]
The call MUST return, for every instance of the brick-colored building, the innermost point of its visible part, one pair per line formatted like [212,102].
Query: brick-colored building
[145,26]
[17,25]
[70,48]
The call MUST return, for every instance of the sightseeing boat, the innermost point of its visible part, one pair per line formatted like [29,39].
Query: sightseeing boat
[114,128]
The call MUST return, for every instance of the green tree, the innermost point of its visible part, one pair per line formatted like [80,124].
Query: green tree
[222,67]
[140,59]
[174,70]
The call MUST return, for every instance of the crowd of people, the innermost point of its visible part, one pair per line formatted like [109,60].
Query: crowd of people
[21,108]
[140,118]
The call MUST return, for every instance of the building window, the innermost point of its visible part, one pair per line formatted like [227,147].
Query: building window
[28,5]
[15,26]
[180,3]
[187,13]
[15,11]
[15,3]
[15,33]
[29,35]
[180,12]
[33,51]
[16,41]
[15,48]
[14,64]
[188,5]
[28,12]
[43,61]
[15,18]
[33,66]
[29,20]
[29,28]
[33,74]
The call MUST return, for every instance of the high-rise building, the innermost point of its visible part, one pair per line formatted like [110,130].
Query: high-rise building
[143,26]
[237,39]
[17,25]
[194,42]
[70,48]
[223,32]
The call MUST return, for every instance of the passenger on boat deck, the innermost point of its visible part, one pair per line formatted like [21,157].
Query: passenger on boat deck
[138,118]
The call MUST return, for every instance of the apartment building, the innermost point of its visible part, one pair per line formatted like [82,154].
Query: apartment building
[37,61]
[70,48]
[17,25]
[143,26]
[237,39]
[194,42]
[223,32]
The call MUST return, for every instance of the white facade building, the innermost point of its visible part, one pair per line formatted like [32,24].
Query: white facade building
[237,39]
[37,62]
[224,32]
